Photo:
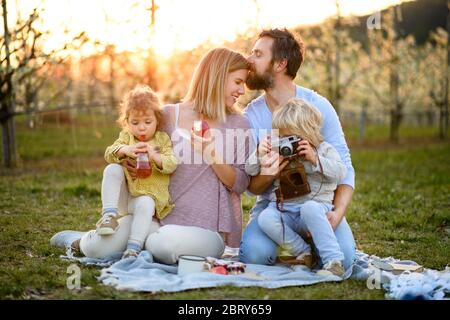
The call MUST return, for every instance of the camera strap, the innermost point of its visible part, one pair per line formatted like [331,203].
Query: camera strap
[280,201]
[281,196]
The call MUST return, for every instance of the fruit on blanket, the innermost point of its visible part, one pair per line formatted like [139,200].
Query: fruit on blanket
[219,270]
[200,127]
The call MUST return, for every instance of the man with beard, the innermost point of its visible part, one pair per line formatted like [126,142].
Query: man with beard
[274,61]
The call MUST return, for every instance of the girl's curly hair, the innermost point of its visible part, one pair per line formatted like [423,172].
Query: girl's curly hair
[142,99]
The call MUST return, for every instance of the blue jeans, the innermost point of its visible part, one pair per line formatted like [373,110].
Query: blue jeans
[258,248]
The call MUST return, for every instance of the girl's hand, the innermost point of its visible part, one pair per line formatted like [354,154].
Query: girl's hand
[128,151]
[307,152]
[264,147]
[141,147]
[132,151]
[153,152]
[130,165]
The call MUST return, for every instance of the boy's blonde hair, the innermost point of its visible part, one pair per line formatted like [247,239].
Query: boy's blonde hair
[142,99]
[301,119]
[206,91]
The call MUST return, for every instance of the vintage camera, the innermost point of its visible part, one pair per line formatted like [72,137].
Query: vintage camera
[293,181]
[287,146]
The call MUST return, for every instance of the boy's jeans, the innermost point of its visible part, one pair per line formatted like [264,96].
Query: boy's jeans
[288,227]
[257,248]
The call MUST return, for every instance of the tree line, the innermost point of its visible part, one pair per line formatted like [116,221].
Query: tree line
[388,72]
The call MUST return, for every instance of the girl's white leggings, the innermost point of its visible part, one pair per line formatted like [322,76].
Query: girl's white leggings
[166,243]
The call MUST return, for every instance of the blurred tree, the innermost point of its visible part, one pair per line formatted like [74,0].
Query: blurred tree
[110,52]
[22,69]
[44,68]
[332,58]
[175,75]
[437,69]
[123,64]
[394,64]
[7,98]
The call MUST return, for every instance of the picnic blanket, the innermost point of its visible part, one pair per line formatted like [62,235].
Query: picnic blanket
[145,275]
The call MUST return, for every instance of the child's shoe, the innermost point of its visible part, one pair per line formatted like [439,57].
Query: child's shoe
[107,225]
[306,259]
[333,267]
[130,253]
[75,247]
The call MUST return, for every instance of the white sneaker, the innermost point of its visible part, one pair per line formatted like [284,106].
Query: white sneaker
[333,267]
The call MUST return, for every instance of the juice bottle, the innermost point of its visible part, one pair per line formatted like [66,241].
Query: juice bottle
[144,169]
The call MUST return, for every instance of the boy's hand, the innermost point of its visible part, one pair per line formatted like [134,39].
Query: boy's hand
[264,147]
[306,150]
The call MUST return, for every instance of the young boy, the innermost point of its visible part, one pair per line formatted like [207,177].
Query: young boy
[307,213]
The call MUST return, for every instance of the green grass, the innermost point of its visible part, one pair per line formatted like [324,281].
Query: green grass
[380,133]
[401,208]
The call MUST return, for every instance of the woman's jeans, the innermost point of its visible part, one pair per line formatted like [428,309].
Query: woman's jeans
[258,248]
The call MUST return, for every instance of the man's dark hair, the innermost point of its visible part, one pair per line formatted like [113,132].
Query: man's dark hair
[286,46]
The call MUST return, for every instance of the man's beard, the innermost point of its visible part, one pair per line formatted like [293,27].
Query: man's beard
[257,81]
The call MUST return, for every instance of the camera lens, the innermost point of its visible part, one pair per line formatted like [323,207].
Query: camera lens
[285,151]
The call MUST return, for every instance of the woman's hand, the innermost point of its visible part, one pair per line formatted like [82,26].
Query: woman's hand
[201,144]
[264,147]
[305,150]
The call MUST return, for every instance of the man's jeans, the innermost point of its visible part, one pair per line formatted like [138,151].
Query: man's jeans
[258,248]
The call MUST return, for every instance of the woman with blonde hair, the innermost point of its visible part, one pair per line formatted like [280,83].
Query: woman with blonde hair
[208,211]
[210,177]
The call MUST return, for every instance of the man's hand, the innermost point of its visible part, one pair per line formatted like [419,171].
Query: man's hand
[333,218]
[130,165]
[271,166]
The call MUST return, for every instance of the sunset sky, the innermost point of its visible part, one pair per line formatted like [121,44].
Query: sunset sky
[180,24]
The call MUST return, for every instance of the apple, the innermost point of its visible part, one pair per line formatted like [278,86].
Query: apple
[200,127]
[219,270]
